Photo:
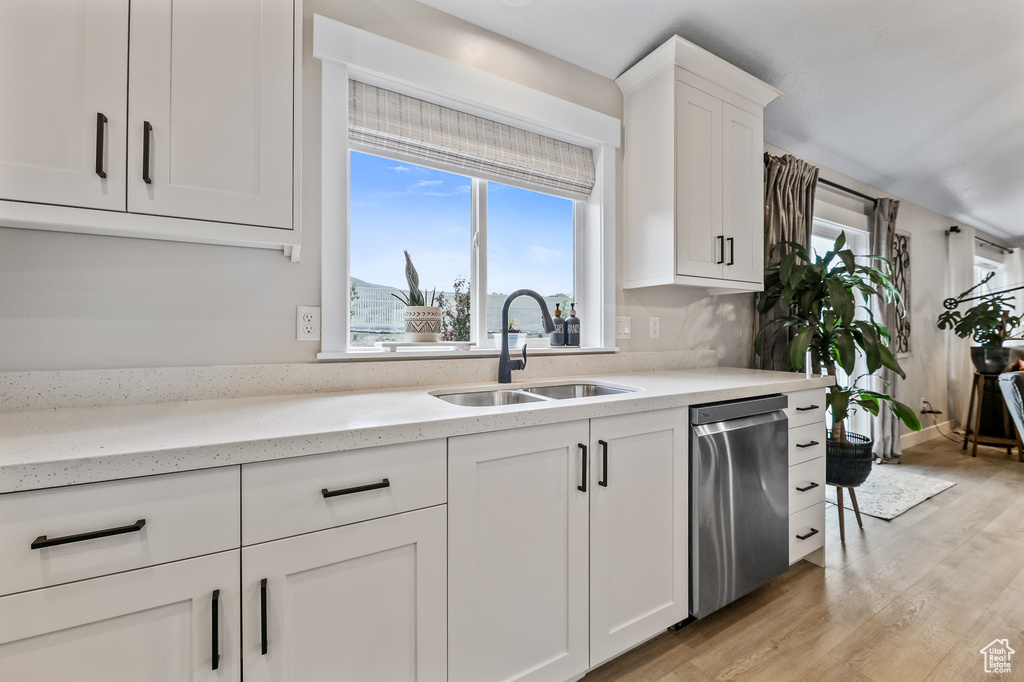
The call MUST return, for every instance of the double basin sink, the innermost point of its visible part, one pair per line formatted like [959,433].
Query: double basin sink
[534,394]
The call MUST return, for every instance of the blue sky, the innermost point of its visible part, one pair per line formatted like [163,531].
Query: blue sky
[397,205]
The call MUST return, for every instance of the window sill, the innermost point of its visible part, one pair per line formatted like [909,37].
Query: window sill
[376,354]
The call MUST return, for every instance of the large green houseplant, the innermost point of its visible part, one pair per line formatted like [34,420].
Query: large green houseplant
[989,322]
[818,299]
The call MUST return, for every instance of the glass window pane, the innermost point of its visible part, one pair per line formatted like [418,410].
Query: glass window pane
[398,206]
[529,246]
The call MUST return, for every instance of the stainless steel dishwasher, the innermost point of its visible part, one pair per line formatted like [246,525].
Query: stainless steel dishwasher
[739,499]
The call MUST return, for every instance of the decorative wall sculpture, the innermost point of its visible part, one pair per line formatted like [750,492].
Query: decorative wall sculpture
[901,278]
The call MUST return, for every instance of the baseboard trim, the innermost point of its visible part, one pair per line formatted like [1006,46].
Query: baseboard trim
[909,440]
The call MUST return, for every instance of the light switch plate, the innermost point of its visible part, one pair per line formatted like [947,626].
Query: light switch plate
[622,327]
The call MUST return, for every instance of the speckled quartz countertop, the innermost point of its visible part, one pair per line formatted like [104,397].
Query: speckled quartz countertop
[49,448]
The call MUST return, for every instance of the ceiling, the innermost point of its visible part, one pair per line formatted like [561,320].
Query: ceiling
[923,99]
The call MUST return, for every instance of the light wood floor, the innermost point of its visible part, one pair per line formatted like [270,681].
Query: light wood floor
[915,598]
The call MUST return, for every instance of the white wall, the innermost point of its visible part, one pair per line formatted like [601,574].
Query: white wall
[79,301]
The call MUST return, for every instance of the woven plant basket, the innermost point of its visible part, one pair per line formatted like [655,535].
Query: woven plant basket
[848,463]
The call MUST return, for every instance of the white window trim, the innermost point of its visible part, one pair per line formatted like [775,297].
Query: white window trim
[345,50]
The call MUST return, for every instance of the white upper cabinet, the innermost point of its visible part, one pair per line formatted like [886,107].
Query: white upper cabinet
[216,93]
[63,96]
[177,119]
[692,171]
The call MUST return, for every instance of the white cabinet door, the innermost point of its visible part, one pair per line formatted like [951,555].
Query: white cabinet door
[63,68]
[638,529]
[517,562]
[743,194]
[211,110]
[155,624]
[359,602]
[700,245]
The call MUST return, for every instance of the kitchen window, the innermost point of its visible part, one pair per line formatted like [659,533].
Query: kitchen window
[488,184]
[522,238]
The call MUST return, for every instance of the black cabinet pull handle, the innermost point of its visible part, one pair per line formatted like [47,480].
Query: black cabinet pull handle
[583,449]
[732,250]
[263,616]
[807,445]
[604,462]
[809,407]
[43,541]
[101,129]
[216,629]
[147,132]
[814,531]
[812,486]
[721,250]
[355,489]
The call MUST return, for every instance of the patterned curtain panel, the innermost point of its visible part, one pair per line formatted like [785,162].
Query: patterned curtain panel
[790,184]
[885,428]
[397,123]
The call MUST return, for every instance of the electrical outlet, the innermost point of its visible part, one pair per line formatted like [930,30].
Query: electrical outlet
[924,405]
[622,327]
[655,327]
[307,323]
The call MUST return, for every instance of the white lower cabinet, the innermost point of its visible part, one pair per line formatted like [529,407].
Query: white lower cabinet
[169,623]
[638,531]
[807,431]
[365,601]
[557,561]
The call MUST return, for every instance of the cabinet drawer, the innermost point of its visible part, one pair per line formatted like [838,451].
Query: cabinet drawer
[184,515]
[802,536]
[286,497]
[806,442]
[806,407]
[806,484]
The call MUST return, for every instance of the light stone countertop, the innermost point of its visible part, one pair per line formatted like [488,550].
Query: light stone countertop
[57,447]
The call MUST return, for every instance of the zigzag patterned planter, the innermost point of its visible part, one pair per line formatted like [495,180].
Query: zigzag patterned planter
[422,322]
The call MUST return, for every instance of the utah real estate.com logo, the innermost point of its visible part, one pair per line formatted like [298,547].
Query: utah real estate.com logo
[997,656]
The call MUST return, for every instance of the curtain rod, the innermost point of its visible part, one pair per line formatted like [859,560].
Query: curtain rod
[1008,249]
[836,185]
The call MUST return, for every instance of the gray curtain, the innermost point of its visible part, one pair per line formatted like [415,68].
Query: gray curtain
[789,186]
[885,428]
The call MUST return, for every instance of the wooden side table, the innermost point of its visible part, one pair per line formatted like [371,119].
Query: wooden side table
[972,430]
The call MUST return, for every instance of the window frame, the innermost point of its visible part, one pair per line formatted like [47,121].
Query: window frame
[347,52]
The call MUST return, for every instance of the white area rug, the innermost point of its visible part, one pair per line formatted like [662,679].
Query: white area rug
[890,490]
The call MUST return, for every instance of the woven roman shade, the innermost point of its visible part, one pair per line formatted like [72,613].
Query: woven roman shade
[392,122]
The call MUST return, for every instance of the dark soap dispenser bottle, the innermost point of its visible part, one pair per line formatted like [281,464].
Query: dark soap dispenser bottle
[558,336]
[572,328]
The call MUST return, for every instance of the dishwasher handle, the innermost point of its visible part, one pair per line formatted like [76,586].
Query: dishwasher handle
[737,409]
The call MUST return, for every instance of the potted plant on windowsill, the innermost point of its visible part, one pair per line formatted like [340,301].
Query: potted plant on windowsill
[422,321]
[989,322]
[819,299]
[513,333]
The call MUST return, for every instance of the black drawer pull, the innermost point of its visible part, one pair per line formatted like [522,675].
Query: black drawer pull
[812,486]
[732,251]
[101,129]
[808,445]
[263,617]
[42,540]
[814,531]
[216,629]
[355,489]
[147,132]
[721,250]
[583,488]
[604,458]
[805,409]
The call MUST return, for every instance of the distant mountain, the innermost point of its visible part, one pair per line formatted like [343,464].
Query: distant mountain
[367,285]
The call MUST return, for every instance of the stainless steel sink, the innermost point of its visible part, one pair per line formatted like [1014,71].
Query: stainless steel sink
[534,394]
[490,398]
[566,391]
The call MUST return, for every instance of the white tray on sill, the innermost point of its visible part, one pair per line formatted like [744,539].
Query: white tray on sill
[393,346]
